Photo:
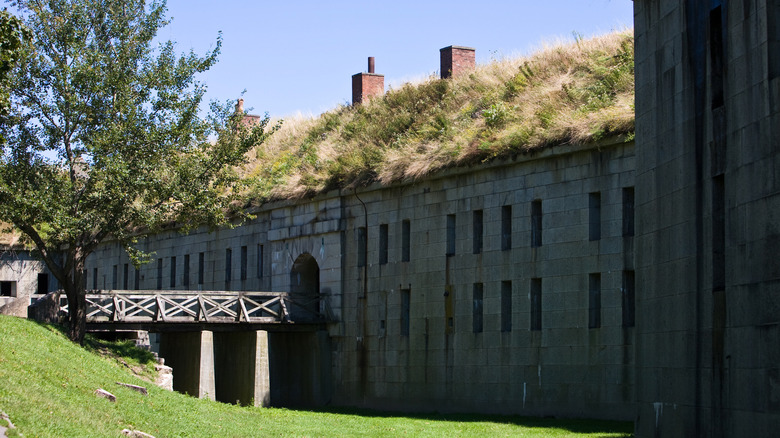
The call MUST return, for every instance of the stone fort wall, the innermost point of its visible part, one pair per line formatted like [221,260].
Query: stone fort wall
[506,287]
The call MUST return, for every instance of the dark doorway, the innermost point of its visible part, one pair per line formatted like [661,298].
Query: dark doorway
[304,289]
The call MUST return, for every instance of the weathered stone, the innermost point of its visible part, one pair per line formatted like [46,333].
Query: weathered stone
[105,394]
[136,388]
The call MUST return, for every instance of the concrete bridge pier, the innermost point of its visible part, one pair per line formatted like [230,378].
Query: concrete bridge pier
[241,367]
[230,367]
[191,355]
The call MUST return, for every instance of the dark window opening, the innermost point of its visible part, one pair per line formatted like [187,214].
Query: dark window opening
[536,223]
[773,39]
[478,231]
[718,233]
[536,304]
[137,279]
[259,261]
[406,303]
[406,238]
[186,280]
[43,283]
[506,306]
[628,298]
[115,277]
[201,266]
[125,276]
[159,273]
[244,255]
[628,211]
[506,227]
[173,272]
[476,320]
[450,234]
[383,244]
[7,288]
[594,216]
[361,246]
[716,56]
[594,300]
[95,278]
[228,265]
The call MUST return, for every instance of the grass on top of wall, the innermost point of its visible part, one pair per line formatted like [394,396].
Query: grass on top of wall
[576,93]
[47,386]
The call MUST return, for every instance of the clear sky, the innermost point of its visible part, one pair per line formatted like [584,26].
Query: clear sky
[299,55]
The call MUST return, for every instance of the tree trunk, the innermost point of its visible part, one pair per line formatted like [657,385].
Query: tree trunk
[77,304]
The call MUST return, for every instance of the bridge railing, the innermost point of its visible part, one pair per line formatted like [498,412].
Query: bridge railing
[190,306]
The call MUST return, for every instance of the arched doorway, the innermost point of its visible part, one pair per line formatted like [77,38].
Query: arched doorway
[305,288]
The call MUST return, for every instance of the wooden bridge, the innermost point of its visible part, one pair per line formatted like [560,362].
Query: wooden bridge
[191,310]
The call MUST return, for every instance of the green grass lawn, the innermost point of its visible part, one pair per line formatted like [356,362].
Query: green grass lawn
[47,387]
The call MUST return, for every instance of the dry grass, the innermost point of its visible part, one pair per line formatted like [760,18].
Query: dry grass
[565,93]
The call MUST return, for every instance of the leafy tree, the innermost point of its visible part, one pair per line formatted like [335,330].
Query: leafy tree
[105,140]
[11,35]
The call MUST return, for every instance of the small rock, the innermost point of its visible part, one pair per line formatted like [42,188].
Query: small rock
[136,433]
[135,388]
[164,377]
[105,394]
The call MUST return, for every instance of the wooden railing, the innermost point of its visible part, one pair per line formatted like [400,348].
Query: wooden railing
[191,307]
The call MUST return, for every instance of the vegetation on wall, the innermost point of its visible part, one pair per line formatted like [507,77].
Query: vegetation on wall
[568,93]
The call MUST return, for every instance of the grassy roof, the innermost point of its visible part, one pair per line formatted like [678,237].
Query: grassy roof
[572,93]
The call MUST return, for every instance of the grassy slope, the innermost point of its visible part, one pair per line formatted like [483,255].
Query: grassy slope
[47,385]
[567,93]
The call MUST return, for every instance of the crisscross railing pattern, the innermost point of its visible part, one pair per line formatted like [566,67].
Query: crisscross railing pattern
[188,306]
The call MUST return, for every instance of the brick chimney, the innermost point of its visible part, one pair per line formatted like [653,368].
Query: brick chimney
[367,85]
[457,60]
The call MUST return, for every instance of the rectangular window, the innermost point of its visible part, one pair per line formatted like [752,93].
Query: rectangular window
[173,272]
[506,227]
[115,277]
[125,276]
[506,306]
[594,216]
[7,288]
[259,261]
[536,304]
[594,300]
[159,273]
[476,312]
[450,234]
[406,304]
[201,266]
[406,238]
[244,255]
[383,244]
[628,211]
[716,57]
[773,39]
[43,283]
[95,278]
[228,265]
[718,233]
[361,246]
[186,279]
[536,223]
[137,279]
[478,231]
[628,298]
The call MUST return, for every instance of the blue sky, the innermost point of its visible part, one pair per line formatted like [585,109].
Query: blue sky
[298,56]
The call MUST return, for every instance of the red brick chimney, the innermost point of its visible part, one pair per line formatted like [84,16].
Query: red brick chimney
[456,60]
[367,85]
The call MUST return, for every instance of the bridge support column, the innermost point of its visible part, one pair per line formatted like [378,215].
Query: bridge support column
[242,369]
[191,355]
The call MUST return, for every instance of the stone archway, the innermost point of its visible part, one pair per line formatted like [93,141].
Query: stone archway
[305,288]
